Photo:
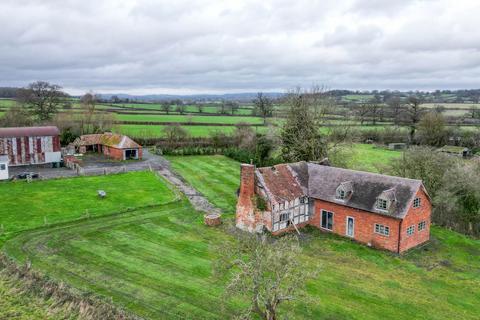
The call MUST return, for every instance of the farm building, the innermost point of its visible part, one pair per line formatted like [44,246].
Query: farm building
[3,167]
[456,151]
[397,146]
[115,146]
[381,211]
[30,145]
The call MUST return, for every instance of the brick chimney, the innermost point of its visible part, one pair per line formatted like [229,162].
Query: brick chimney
[247,180]
[245,215]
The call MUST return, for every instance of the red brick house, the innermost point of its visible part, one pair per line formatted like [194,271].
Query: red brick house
[381,211]
[112,145]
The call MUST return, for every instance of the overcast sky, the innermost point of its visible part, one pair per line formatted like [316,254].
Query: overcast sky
[175,46]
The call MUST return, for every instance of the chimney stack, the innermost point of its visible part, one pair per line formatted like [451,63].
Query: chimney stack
[247,180]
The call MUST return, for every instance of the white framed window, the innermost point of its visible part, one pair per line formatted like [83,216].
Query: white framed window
[410,230]
[3,167]
[417,202]
[327,220]
[350,227]
[284,216]
[382,204]
[422,225]
[340,194]
[382,229]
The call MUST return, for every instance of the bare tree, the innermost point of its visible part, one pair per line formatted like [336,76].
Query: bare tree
[222,108]
[43,98]
[263,107]
[375,111]
[265,272]
[432,130]
[181,108]
[362,111]
[412,114]
[174,133]
[394,105]
[233,106]
[166,107]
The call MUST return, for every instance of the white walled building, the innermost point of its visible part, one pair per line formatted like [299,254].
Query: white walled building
[3,167]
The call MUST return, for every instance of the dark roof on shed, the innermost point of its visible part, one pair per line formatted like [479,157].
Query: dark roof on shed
[321,182]
[29,132]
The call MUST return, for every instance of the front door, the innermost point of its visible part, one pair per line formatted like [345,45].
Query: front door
[350,227]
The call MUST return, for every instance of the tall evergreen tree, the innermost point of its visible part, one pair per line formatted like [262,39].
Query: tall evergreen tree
[300,135]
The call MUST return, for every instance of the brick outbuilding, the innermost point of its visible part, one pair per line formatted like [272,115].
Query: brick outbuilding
[386,212]
[115,146]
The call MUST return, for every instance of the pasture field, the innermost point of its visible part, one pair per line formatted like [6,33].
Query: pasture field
[30,205]
[368,157]
[147,131]
[460,106]
[7,103]
[157,261]
[188,108]
[191,118]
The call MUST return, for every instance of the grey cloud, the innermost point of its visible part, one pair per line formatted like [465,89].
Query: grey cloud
[237,45]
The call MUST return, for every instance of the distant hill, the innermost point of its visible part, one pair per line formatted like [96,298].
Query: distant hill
[243,96]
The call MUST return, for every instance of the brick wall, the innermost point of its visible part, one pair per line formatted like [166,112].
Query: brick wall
[113,153]
[364,224]
[413,218]
[247,218]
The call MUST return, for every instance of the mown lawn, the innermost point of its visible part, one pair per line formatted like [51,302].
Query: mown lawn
[217,177]
[439,281]
[31,205]
[157,261]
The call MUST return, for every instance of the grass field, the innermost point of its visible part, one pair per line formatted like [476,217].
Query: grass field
[191,118]
[157,261]
[216,177]
[188,108]
[441,281]
[6,103]
[27,206]
[146,131]
[368,157]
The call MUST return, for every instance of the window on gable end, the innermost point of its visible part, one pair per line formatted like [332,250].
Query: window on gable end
[417,202]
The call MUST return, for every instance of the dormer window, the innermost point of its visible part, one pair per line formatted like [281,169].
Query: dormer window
[385,200]
[344,190]
[382,204]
